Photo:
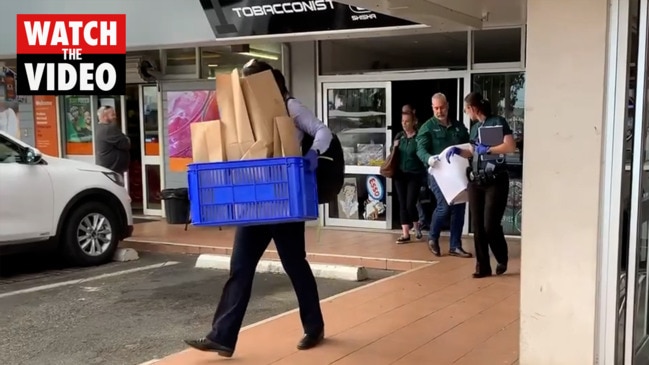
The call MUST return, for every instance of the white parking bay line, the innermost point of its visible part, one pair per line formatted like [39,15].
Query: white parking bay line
[150,362]
[84,280]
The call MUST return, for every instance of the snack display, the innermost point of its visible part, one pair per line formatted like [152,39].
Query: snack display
[370,154]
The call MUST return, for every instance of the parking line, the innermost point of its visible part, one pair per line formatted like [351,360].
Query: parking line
[150,362]
[84,280]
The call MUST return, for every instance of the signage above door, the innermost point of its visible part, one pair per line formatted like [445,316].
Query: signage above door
[246,18]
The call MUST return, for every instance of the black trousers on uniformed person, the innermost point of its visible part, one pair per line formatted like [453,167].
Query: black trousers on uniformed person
[487,203]
[249,245]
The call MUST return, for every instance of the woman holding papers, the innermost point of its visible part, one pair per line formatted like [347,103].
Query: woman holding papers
[409,176]
[491,138]
[250,243]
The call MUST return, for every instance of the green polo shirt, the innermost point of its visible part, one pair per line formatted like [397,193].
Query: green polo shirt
[408,160]
[492,121]
[433,137]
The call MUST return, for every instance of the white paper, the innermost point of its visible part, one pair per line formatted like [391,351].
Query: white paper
[451,177]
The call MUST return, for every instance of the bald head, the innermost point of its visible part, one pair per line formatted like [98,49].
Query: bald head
[440,107]
[106,114]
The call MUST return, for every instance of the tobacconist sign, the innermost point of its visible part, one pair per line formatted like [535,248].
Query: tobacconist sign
[245,18]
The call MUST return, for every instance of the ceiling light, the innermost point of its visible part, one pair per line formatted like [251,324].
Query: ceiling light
[259,54]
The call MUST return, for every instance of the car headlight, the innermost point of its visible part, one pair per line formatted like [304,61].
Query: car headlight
[115,177]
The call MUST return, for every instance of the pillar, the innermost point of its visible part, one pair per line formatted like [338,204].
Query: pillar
[566,61]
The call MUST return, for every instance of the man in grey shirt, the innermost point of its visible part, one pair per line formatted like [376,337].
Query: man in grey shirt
[112,146]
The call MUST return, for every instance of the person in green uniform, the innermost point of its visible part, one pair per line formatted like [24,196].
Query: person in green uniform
[434,136]
[408,177]
[488,186]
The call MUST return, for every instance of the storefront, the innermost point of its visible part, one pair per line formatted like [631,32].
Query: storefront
[356,68]
[137,114]
[584,286]
[363,107]
[342,79]
[574,71]
[64,126]
[352,66]
[155,113]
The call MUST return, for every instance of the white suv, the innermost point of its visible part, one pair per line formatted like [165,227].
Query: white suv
[82,209]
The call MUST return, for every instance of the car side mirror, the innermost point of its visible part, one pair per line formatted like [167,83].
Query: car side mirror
[32,156]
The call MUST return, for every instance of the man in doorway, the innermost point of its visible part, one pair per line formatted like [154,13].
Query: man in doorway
[113,146]
[436,134]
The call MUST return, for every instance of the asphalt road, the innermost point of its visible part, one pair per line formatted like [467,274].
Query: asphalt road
[127,313]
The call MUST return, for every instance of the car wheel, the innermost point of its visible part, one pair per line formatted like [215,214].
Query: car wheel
[89,236]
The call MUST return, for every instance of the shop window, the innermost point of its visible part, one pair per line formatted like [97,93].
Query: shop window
[411,52]
[150,115]
[506,92]
[358,201]
[153,187]
[358,117]
[77,117]
[182,108]
[497,45]
[9,103]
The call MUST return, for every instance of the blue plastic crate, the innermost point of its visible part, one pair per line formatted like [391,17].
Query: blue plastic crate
[251,192]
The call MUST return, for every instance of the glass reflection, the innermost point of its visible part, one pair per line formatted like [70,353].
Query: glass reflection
[624,304]
[150,114]
[358,117]
[153,186]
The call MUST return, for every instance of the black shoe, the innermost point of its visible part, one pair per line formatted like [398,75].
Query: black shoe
[310,341]
[403,239]
[480,275]
[433,246]
[204,344]
[501,269]
[459,252]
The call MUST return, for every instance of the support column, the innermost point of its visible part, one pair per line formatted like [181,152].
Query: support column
[564,98]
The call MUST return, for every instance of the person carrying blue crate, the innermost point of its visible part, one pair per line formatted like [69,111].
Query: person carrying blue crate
[250,242]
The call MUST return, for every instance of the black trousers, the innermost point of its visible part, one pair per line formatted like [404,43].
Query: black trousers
[487,204]
[249,245]
[408,185]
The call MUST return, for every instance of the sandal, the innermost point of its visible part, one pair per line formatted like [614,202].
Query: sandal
[403,239]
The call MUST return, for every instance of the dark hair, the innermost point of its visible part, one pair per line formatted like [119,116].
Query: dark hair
[255,66]
[476,100]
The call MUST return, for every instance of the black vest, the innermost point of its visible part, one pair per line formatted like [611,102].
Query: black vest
[330,174]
